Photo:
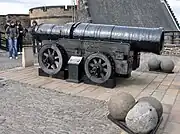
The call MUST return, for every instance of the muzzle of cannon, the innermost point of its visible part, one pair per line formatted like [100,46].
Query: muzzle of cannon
[106,49]
[141,39]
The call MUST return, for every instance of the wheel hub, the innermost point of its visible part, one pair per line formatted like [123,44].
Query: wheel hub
[97,70]
[51,59]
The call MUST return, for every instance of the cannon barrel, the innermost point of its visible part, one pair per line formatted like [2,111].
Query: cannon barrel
[141,39]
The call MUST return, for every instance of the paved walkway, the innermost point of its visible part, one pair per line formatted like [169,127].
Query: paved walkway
[164,87]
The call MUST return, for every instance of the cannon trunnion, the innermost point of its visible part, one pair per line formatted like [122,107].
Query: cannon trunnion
[108,51]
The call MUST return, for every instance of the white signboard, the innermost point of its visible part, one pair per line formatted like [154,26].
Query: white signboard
[75,60]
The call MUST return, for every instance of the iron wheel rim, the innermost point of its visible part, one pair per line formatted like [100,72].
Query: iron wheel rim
[98,68]
[50,59]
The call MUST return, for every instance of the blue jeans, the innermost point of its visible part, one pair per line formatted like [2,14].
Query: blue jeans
[12,47]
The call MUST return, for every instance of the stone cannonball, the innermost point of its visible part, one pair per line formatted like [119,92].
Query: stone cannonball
[120,104]
[167,65]
[154,64]
[142,118]
[155,103]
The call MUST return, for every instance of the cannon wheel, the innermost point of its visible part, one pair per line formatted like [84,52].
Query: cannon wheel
[98,67]
[50,58]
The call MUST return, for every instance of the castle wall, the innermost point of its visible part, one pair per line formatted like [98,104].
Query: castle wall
[52,14]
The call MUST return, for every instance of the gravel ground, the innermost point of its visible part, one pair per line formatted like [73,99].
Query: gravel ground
[6,63]
[28,110]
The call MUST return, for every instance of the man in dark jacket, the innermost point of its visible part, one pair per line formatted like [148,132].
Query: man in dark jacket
[20,38]
[12,35]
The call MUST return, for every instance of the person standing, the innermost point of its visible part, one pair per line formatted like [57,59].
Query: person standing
[5,27]
[12,35]
[35,42]
[20,37]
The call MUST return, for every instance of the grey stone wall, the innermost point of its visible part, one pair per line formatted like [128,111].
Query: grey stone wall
[53,20]
[83,13]
[53,14]
[172,43]
[171,50]
[2,22]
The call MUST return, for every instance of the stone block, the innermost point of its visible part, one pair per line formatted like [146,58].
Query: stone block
[167,108]
[172,128]
[27,57]
[167,99]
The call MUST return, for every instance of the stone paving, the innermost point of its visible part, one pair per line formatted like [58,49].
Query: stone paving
[164,87]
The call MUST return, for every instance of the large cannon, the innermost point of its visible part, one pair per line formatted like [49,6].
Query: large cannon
[107,50]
